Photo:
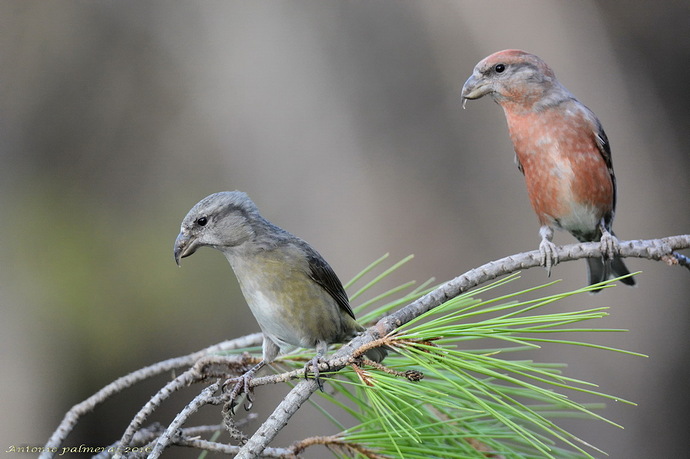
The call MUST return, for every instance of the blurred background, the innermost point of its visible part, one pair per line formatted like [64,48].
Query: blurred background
[343,122]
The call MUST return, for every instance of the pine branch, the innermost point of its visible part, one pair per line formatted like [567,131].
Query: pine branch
[256,446]
[654,249]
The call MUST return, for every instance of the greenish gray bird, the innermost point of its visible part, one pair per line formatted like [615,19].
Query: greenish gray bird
[294,294]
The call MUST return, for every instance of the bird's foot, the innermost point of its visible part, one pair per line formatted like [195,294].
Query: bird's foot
[241,385]
[314,365]
[549,255]
[547,249]
[609,245]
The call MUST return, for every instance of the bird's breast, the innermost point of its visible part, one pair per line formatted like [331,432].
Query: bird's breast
[568,182]
[289,306]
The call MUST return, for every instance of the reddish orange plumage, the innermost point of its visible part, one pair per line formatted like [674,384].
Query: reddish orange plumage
[561,149]
[562,165]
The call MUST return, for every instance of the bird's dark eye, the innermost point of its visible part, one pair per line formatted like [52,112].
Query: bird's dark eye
[500,68]
[201,221]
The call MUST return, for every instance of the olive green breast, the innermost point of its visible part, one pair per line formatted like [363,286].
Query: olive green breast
[290,307]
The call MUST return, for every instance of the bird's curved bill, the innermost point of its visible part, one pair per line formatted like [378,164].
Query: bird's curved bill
[473,89]
[184,247]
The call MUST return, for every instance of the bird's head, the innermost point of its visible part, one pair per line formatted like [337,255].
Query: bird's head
[509,76]
[222,220]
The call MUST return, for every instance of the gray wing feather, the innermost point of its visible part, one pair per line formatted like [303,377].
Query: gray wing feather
[322,273]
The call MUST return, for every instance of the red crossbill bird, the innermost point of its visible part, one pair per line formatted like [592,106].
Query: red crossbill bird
[562,150]
[294,294]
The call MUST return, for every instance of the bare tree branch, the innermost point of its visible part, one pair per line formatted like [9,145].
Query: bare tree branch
[202,370]
[77,411]
[167,437]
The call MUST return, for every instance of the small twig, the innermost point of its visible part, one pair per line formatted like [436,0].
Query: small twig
[278,419]
[198,372]
[381,342]
[149,434]
[171,387]
[232,427]
[483,448]
[77,411]
[189,437]
[268,453]
[336,442]
[192,407]
[411,375]
[363,375]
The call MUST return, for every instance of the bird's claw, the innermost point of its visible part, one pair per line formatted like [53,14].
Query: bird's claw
[549,255]
[547,249]
[314,364]
[609,245]
[241,385]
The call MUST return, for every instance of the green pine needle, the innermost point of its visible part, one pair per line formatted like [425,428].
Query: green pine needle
[471,401]
[379,277]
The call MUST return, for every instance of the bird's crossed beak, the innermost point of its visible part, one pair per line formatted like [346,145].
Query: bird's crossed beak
[185,245]
[474,88]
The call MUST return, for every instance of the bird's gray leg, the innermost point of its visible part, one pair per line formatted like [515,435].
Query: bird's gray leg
[321,349]
[609,242]
[549,255]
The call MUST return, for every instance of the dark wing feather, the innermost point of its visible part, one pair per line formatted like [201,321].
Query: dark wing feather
[605,149]
[322,273]
[519,164]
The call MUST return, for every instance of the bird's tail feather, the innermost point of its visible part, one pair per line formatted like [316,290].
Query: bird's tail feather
[599,270]
[377,354]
